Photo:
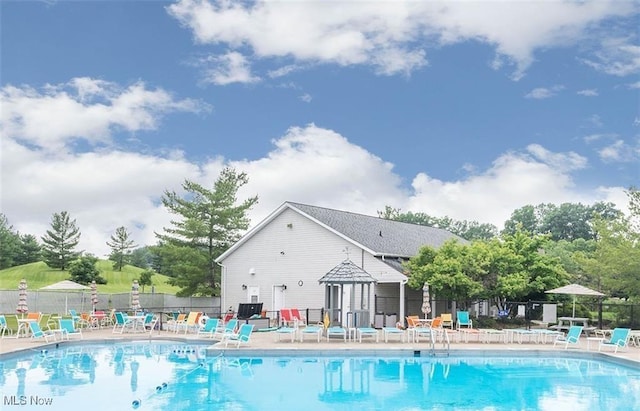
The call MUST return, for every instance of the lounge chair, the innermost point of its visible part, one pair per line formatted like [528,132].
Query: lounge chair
[392,331]
[619,339]
[572,337]
[191,323]
[229,328]
[209,328]
[68,329]
[299,319]
[447,320]
[286,319]
[367,332]
[4,328]
[37,333]
[463,320]
[311,330]
[336,331]
[288,331]
[122,323]
[243,336]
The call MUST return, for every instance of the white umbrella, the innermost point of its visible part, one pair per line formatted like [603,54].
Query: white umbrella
[22,297]
[65,285]
[94,295]
[426,300]
[135,296]
[574,290]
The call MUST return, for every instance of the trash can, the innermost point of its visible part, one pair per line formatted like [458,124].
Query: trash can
[390,320]
[378,320]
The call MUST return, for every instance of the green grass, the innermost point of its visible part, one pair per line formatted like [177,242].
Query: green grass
[39,275]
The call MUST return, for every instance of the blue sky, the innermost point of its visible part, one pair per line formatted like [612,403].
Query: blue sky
[467,109]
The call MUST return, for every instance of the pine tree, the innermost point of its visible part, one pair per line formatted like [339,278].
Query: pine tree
[121,246]
[59,243]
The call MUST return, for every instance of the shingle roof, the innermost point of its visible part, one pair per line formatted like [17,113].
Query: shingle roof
[382,237]
[347,273]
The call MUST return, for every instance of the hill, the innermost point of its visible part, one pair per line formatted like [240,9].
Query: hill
[39,275]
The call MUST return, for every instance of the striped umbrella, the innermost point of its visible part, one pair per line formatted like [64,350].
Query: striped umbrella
[135,296]
[22,297]
[94,295]
[426,300]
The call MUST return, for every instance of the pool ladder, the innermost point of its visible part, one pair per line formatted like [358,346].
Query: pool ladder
[446,345]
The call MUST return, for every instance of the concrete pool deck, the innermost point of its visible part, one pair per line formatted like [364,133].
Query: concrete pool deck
[269,341]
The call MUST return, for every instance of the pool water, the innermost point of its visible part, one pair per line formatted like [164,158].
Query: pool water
[168,376]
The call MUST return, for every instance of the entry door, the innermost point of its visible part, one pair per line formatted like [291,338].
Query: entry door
[278,298]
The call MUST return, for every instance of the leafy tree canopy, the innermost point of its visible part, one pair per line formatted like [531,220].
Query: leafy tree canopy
[84,271]
[121,245]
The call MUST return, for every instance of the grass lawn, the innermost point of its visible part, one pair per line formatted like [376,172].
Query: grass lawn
[39,275]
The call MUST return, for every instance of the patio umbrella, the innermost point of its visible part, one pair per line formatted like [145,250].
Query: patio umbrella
[22,297]
[575,290]
[65,285]
[94,295]
[426,300]
[135,296]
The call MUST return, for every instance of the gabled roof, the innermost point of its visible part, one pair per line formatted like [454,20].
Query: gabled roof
[380,237]
[347,273]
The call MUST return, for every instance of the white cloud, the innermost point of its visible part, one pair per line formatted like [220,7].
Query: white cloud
[306,97]
[619,151]
[229,68]
[392,36]
[307,164]
[588,92]
[83,108]
[634,85]
[541,93]
[617,57]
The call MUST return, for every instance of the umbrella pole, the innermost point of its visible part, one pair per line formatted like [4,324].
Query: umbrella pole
[574,307]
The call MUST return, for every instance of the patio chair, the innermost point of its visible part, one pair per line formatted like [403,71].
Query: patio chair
[4,328]
[393,331]
[68,329]
[619,339]
[122,323]
[572,337]
[173,323]
[286,331]
[229,328]
[243,336]
[367,332]
[336,331]
[191,323]
[286,319]
[299,319]
[37,333]
[209,328]
[312,330]
[447,320]
[463,320]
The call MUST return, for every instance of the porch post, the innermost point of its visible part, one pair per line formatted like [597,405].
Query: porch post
[402,297]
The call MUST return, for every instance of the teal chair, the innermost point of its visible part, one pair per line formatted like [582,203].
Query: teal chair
[619,339]
[463,319]
[229,329]
[68,329]
[572,337]
[38,334]
[210,327]
[4,328]
[243,336]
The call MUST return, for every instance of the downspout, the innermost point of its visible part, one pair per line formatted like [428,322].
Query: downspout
[223,284]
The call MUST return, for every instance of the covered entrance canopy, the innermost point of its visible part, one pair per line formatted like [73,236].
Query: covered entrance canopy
[348,274]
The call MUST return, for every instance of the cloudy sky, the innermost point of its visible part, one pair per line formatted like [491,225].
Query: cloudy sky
[469,109]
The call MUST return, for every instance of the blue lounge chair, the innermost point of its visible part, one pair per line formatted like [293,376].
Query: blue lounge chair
[311,330]
[463,319]
[336,331]
[209,328]
[619,339]
[288,331]
[572,337]
[391,331]
[367,332]
[68,329]
[37,333]
[243,336]
[4,328]
[228,329]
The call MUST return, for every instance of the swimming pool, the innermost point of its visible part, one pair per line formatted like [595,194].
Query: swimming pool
[176,376]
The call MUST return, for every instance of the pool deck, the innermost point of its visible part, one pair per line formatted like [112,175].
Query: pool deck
[263,342]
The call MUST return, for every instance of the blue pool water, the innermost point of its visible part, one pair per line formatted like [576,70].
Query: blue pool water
[168,376]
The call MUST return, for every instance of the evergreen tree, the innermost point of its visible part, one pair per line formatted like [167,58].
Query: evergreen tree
[84,270]
[9,243]
[30,250]
[121,246]
[209,222]
[60,242]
